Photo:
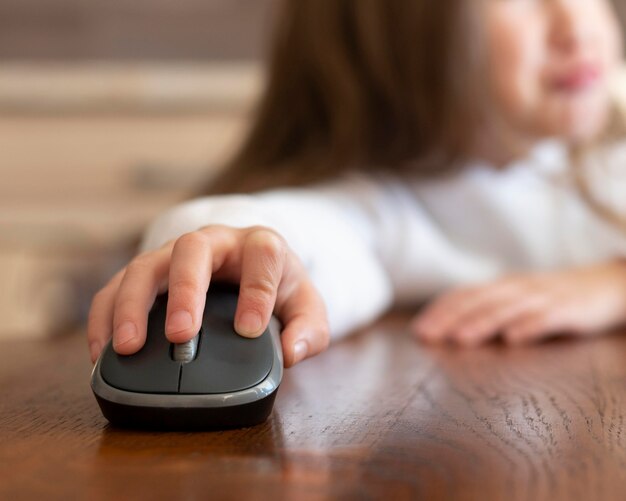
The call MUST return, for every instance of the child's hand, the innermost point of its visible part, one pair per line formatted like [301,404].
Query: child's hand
[271,278]
[525,308]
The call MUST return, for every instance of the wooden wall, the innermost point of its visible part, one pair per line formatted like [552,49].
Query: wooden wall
[135,29]
[138,29]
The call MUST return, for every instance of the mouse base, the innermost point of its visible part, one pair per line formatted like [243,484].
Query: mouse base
[187,418]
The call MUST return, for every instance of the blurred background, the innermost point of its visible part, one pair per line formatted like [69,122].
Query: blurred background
[109,113]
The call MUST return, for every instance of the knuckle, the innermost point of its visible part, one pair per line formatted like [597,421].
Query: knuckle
[192,239]
[140,264]
[259,289]
[546,320]
[184,286]
[455,309]
[268,240]
[123,309]
[468,327]
[269,258]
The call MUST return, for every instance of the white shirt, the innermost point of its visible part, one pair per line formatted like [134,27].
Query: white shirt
[370,241]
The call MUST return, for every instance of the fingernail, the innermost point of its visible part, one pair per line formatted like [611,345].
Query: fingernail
[299,351]
[178,321]
[125,333]
[249,324]
[94,349]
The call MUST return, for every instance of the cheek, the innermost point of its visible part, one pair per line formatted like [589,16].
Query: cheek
[584,114]
[608,36]
[516,58]
[574,117]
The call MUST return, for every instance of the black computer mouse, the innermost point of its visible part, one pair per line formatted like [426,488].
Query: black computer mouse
[217,380]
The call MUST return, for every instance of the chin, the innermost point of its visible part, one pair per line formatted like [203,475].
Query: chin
[577,119]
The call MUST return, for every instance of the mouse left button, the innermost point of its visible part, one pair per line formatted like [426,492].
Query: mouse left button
[151,369]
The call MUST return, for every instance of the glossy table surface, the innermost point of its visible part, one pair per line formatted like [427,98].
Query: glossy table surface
[378,416]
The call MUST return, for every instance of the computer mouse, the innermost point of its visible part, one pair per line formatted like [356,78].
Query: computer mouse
[219,379]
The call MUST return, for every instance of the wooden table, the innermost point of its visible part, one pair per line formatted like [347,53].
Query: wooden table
[378,416]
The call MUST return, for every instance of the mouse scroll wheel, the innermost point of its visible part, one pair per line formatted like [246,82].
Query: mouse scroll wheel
[186,352]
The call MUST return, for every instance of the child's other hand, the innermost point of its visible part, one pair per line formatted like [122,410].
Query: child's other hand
[271,277]
[524,308]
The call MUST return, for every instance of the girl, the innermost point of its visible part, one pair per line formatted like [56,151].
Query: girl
[467,150]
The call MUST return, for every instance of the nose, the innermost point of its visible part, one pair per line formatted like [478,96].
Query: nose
[570,28]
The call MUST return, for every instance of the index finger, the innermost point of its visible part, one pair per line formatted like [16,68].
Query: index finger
[195,257]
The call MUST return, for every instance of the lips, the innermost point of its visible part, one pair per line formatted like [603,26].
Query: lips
[578,78]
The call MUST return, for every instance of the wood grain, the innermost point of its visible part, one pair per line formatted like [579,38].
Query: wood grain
[377,416]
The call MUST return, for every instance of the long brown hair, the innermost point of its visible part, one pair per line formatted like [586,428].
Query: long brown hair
[368,82]
[382,84]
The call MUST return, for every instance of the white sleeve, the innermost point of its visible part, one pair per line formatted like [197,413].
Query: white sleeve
[329,226]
